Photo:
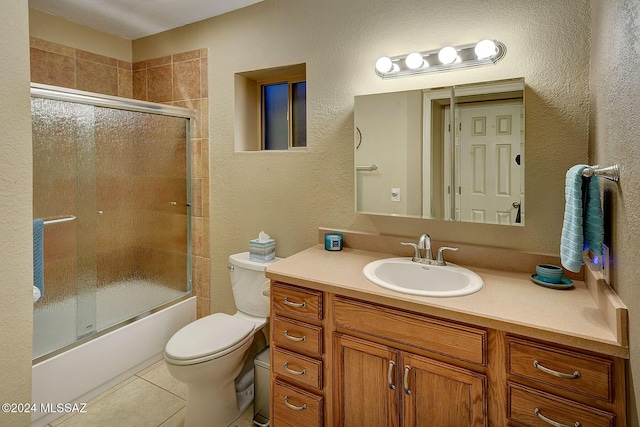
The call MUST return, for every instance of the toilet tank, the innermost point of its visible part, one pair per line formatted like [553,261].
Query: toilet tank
[249,282]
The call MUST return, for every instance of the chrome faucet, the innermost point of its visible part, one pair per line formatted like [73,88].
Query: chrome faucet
[424,244]
[422,251]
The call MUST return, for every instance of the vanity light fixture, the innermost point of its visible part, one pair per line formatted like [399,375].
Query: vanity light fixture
[485,52]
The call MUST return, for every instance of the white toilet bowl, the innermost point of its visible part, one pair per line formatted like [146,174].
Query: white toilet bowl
[209,354]
[210,376]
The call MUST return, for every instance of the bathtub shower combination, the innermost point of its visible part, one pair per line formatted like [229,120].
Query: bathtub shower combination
[111,184]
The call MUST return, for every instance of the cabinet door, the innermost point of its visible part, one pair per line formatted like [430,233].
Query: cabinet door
[367,387]
[440,395]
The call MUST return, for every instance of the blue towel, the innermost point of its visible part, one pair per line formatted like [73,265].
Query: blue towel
[572,240]
[593,218]
[38,254]
[583,225]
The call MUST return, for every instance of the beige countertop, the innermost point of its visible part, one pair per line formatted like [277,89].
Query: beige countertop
[509,302]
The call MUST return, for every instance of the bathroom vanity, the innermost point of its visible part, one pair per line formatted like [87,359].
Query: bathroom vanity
[347,352]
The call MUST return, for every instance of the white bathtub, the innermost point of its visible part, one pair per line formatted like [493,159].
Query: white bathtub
[85,371]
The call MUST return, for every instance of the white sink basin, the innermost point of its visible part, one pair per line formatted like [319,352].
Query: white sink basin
[408,277]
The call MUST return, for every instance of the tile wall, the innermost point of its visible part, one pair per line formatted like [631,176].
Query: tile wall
[59,65]
[179,80]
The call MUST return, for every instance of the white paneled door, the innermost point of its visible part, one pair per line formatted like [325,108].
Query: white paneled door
[491,154]
[489,159]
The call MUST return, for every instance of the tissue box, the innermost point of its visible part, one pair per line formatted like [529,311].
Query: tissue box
[262,251]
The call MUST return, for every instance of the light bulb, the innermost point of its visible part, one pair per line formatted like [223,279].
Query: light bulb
[485,49]
[457,60]
[384,65]
[414,60]
[447,55]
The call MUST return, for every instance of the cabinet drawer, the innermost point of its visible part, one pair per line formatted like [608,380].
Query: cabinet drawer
[289,299]
[298,368]
[296,407]
[461,342]
[297,336]
[576,372]
[531,407]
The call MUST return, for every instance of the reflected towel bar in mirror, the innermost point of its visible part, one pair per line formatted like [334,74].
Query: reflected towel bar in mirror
[367,168]
[56,220]
[611,173]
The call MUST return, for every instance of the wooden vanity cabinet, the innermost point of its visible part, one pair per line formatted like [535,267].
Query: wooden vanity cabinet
[381,384]
[339,361]
[550,384]
[297,349]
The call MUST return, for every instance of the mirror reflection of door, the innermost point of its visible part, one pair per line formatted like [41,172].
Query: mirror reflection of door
[405,135]
[490,149]
[451,186]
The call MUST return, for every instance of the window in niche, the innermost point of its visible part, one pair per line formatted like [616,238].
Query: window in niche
[271,109]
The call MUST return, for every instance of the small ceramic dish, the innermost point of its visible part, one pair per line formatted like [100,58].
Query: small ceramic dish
[564,283]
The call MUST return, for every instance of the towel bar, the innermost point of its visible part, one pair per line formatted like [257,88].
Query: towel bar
[611,173]
[56,220]
[367,168]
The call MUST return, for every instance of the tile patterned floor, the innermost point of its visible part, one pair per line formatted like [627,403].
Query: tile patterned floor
[151,398]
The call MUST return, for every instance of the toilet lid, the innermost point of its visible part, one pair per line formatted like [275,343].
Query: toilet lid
[208,335]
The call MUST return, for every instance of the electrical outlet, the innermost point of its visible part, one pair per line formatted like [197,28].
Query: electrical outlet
[395,194]
[606,267]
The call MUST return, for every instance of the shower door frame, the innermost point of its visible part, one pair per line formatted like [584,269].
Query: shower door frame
[57,93]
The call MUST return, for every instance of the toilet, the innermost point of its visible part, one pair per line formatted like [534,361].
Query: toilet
[209,354]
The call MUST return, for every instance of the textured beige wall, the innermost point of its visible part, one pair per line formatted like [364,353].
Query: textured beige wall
[58,30]
[290,194]
[615,138]
[16,262]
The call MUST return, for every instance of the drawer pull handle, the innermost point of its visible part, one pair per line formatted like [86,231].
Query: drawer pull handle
[392,365]
[296,339]
[292,372]
[553,423]
[295,408]
[407,368]
[576,375]
[294,304]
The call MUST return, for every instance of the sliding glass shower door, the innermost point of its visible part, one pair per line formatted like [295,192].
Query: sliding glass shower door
[112,186]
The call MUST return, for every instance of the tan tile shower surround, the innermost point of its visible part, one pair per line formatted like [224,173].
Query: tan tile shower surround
[179,80]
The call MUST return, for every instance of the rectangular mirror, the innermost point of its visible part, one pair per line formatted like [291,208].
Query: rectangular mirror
[408,163]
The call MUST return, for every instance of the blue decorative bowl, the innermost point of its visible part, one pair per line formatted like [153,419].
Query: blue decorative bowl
[549,273]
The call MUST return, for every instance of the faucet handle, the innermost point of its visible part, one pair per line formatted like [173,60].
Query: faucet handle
[416,251]
[440,256]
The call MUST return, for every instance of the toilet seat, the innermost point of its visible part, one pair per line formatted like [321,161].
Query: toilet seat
[208,338]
